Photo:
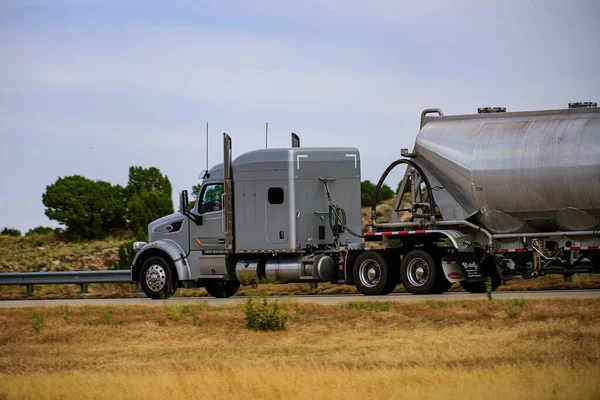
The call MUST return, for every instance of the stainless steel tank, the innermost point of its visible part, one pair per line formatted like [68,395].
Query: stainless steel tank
[518,172]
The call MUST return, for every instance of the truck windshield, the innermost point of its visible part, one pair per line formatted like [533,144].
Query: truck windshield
[211,197]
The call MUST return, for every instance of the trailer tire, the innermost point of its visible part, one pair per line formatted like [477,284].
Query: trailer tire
[223,289]
[157,278]
[371,274]
[421,273]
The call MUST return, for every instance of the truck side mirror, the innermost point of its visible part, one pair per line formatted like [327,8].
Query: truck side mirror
[184,205]
[183,202]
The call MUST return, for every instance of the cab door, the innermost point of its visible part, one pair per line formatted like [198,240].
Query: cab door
[207,240]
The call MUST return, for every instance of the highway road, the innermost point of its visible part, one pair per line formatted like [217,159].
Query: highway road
[322,299]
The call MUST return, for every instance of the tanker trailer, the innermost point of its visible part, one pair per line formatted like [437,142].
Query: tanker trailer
[499,195]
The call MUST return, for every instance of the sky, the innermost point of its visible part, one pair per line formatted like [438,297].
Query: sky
[94,87]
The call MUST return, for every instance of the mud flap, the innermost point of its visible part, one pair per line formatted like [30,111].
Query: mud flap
[471,269]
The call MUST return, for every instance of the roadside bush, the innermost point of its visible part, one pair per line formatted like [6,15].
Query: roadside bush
[10,232]
[37,320]
[40,230]
[264,318]
[514,307]
[125,256]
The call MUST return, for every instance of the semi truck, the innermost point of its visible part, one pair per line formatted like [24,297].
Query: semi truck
[485,198]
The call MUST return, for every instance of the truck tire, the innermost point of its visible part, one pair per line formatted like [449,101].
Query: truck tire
[157,278]
[421,273]
[371,274]
[223,289]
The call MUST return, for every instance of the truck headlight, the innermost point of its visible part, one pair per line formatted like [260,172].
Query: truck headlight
[138,245]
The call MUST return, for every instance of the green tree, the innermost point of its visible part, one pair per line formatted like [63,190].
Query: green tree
[195,193]
[149,198]
[145,208]
[10,232]
[385,193]
[408,185]
[143,180]
[366,193]
[89,209]
[39,230]
[367,189]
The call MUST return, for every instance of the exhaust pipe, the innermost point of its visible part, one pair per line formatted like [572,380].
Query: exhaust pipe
[295,140]
[228,193]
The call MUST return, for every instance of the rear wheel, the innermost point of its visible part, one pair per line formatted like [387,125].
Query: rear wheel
[223,289]
[421,273]
[371,274]
[157,278]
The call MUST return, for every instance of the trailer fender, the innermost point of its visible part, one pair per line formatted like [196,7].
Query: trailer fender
[164,248]
[458,239]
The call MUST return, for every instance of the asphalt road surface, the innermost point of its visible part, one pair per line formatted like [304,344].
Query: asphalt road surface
[322,299]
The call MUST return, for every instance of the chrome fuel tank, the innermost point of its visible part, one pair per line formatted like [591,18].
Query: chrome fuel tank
[518,172]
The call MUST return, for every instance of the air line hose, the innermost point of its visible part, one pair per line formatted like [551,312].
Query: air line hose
[337,218]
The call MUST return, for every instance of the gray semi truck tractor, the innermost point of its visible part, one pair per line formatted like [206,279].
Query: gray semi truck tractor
[485,198]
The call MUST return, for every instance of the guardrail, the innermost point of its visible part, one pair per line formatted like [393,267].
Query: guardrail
[82,278]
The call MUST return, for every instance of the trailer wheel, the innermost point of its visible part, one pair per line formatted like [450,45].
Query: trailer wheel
[223,289]
[371,274]
[421,273]
[157,278]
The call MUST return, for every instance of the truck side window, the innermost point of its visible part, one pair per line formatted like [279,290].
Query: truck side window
[211,198]
[275,195]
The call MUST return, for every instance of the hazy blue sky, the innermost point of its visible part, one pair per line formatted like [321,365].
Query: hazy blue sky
[92,88]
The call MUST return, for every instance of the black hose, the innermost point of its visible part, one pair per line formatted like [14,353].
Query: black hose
[387,172]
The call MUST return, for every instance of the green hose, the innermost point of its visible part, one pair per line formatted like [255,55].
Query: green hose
[337,218]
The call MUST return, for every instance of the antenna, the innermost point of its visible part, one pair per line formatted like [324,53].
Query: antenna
[266,135]
[207,146]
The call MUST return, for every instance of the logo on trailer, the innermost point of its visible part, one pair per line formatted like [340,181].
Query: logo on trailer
[455,275]
[470,266]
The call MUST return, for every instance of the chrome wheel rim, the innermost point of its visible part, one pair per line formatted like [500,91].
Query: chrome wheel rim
[417,272]
[156,278]
[369,273]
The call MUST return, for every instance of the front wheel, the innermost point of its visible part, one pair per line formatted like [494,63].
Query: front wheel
[421,273]
[156,278]
[223,289]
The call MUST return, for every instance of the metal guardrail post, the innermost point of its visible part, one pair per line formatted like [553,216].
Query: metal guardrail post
[313,286]
[29,290]
[84,288]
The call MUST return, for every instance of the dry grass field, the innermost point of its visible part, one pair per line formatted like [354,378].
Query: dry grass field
[545,349]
